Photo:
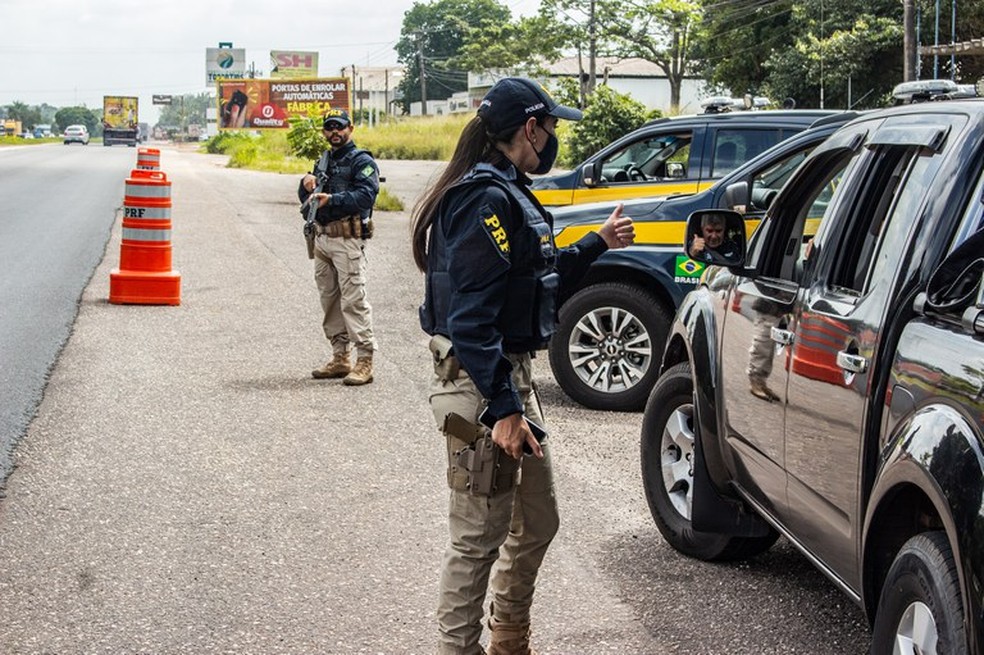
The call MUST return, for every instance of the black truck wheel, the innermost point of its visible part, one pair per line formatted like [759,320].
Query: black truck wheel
[605,354]
[920,610]
[667,452]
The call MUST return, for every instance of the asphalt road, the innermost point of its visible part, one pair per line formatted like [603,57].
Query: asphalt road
[57,205]
[186,487]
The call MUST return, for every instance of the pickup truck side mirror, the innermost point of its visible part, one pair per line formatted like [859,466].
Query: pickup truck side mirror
[716,236]
[591,174]
[675,170]
[736,195]
[958,283]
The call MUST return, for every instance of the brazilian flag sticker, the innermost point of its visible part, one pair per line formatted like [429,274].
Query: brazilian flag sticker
[687,271]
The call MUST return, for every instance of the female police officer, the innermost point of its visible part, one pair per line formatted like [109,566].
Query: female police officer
[493,277]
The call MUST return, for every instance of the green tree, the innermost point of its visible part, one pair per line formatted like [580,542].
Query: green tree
[522,46]
[436,32]
[28,116]
[851,49]
[78,116]
[576,26]
[969,25]
[658,31]
[185,110]
[735,40]
[607,116]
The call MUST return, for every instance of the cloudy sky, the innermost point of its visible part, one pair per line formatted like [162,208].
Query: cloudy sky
[72,53]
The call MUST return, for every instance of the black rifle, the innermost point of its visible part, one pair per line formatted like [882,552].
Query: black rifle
[310,208]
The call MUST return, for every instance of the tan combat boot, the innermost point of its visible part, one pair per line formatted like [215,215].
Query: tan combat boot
[760,389]
[509,639]
[361,372]
[338,367]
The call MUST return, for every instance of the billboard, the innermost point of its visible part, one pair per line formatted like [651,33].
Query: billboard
[291,64]
[229,63]
[267,104]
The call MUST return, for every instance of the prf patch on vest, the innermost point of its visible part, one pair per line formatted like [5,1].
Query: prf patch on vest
[494,228]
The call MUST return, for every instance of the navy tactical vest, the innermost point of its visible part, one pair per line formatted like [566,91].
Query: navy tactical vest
[529,315]
[341,172]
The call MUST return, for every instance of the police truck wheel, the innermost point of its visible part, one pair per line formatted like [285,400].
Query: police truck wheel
[606,352]
[667,456]
[920,609]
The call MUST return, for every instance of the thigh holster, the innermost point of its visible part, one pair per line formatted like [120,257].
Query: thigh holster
[476,464]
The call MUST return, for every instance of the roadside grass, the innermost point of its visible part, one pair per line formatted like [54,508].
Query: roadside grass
[17,141]
[414,138]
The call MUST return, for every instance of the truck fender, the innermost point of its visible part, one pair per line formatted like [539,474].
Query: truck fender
[941,452]
[693,338]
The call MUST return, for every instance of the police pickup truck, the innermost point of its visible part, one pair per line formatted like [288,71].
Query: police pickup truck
[831,388]
[613,326]
[673,156]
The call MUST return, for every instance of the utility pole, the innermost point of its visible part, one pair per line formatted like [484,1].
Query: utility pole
[592,50]
[423,77]
[909,56]
[351,106]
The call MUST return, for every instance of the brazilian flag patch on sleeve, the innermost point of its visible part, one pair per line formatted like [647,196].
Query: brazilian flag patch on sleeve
[368,171]
[687,271]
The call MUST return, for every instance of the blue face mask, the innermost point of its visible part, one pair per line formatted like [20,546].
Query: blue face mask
[547,156]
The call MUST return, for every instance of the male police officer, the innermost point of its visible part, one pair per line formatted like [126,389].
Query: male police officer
[349,181]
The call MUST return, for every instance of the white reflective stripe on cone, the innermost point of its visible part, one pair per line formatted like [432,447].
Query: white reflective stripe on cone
[137,234]
[148,190]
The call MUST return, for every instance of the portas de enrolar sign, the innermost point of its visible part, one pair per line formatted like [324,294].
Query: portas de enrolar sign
[268,104]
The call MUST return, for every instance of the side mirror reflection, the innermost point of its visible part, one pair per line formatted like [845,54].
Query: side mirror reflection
[716,236]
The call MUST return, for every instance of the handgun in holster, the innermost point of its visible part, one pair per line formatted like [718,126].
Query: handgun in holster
[477,465]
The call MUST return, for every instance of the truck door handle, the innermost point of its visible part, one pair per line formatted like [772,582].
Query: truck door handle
[851,362]
[782,337]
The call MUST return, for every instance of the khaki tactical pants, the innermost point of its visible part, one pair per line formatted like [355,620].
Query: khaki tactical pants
[504,536]
[762,350]
[340,273]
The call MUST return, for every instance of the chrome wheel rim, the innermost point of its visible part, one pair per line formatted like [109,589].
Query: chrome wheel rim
[677,457]
[916,633]
[610,349]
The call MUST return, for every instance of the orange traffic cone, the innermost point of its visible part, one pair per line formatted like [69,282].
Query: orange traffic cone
[149,159]
[145,276]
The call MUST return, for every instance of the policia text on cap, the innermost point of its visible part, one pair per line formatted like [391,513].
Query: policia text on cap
[493,277]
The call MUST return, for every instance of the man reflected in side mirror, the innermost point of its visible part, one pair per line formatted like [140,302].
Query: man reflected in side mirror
[712,237]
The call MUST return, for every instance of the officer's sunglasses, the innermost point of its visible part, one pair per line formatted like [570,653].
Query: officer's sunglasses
[334,127]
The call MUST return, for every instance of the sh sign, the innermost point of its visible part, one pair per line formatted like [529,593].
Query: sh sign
[229,63]
[293,64]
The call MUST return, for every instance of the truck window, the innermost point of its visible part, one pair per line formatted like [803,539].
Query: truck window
[780,244]
[973,219]
[646,159]
[732,148]
[894,190]
[896,230]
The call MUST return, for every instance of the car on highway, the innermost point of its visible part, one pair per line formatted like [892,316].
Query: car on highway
[827,384]
[671,156]
[613,325]
[76,134]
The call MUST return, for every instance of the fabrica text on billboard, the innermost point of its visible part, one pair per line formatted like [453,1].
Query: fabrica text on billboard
[267,104]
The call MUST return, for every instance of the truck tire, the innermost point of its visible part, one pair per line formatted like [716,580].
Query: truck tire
[606,351]
[920,609]
[667,449]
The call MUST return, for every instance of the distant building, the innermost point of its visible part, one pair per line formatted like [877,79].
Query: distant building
[642,80]
[374,87]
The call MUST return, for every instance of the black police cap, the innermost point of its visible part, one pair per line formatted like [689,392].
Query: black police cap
[336,116]
[512,100]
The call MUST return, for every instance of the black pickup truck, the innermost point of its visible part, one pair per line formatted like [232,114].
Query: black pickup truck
[830,388]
